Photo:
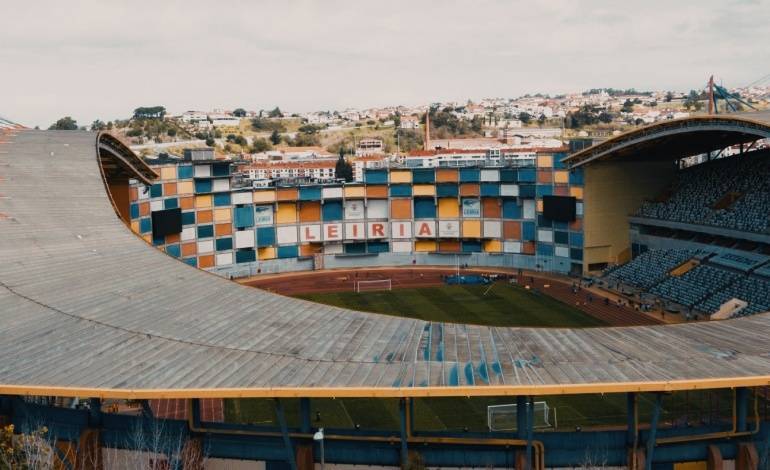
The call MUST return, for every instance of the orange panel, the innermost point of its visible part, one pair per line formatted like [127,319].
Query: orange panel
[576,225]
[204,217]
[169,189]
[560,190]
[400,208]
[469,189]
[186,202]
[490,207]
[223,229]
[144,209]
[287,194]
[133,194]
[310,211]
[511,230]
[310,249]
[205,261]
[172,238]
[544,176]
[449,246]
[576,192]
[377,192]
[528,248]
[446,175]
[189,249]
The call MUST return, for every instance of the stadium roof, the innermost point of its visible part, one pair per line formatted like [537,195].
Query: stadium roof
[87,308]
[678,138]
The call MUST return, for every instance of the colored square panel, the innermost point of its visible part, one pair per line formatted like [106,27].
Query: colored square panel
[491,208]
[222,244]
[576,225]
[332,210]
[244,216]
[423,176]
[221,200]
[156,190]
[490,189]
[172,238]
[447,190]
[287,213]
[205,231]
[511,230]
[169,189]
[471,246]
[291,251]
[171,203]
[469,175]
[145,225]
[545,161]
[447,175]
[247,256]
[134,211]
[544,176]
[355,191]
[189,249]
[266,253]
[185,187]
[449,246]
[188,218]
[561,177]
[400,208]
[576,192]
[448,208]
[223,229]
[264,196]
[375,176]
[400,176]
[471,229]
[173,250]
[135,226]
[205,217]
[168,173]
[424,208]
[224,259]
[187,203]
[191,262]
[493,246]
[223,215]
[205,261]
[184,172]
[203,201]
[424,245]
[528,248]
[309,211]
[133,194]
[203,186]
[400,190]
[310,249]
[470,189]
[377,192]
[561,190]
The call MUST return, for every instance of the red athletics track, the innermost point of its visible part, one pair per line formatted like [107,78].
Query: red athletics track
[560,288]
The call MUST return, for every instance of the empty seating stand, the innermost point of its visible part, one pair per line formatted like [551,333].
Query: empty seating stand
[754,290]
[695,285]
[650,268]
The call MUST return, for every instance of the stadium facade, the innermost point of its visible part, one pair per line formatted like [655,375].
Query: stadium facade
[90,311]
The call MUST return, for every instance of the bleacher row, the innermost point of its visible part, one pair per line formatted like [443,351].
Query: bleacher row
[698,189]
[704,287]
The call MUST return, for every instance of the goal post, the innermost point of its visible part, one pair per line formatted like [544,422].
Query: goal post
[503,417]
[374,285]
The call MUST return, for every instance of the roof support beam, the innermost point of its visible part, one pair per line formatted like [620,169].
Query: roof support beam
[285,433]
[653,431]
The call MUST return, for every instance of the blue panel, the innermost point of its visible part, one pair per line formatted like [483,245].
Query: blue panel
[157,241]
[423,176]
[545,249]
[288,251]
[245,256]
[561,237]
[145,225]
[265,236]
[222,199]
[375,176]
[544,190]
[511,209]
[543,222]
[527,191]
[174,251]
[171,203]
[557,160]
[508,175]
[576,239]
[469,175]
[191,261]
[527,175]
[224,244]
[310,193]
[188,218]
[134,209]
[331,210]
[490,189]
[447,190]
[244,217]
[205,231]
[576,254]
[203,186]
[220,169]
[156,190]
[576,176]
[560,225]
[471,246]
[184,172]
[528,231]
[377,247]
[401,190]
[355,248]
[424,208]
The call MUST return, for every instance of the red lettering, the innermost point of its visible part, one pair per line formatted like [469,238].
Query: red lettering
[425,229]
[378,230]
[331,231]
[355,230]
[403,229]
[308,235]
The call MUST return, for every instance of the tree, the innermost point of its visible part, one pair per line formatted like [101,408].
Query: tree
[210,141]
[171,132]
[541,120]
[264,124]
[669,97]
[261,145]
[524,117]
[98,125]
[628,106]
[64,124]
[275,113]
[150,112]
[239,112]
[343,169]
[605,117]
[275,137]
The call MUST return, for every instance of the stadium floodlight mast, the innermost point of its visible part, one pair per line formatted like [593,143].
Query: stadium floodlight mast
[319,436]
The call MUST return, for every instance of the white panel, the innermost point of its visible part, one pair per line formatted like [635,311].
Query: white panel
[512,247]
[579,208]
[562,251]
[545,236]
[221,184]
[375,230]
[493,229]
[205,246]
[401,247]
[244,239]
[156,205]
[332,232]
[354,209]
[144,192]
[355,231]
[490,175]
[333,249]
[400,230]
[310,233]
[377,209]
[243,197]
[331,193]
[471,208]
[263,215]
[287,234]
[528,208]
[188,233]
[449,228]
[509,190]
[224,259]
[425,229]
[202,171]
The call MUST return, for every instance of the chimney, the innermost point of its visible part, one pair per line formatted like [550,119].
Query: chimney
[426,144]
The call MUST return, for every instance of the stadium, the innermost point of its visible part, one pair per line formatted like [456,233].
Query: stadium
[129,307]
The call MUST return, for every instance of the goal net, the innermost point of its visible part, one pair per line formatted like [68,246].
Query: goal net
[503,417]
[373,285]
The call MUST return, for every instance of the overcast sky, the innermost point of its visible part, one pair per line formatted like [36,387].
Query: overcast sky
[101,59]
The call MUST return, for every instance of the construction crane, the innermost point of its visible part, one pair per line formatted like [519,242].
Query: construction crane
[716,92]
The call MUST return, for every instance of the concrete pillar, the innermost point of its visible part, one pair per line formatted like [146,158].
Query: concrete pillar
[747,457]
[714,458]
